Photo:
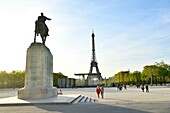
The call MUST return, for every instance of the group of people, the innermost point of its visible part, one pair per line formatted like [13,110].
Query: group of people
[100,91]
[143,88]
[120,86]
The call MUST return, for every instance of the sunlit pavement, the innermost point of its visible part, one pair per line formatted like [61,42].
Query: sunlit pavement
[132,100]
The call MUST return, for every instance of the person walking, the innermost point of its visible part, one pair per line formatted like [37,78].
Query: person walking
[98,91]
[147,88]
[102,90]
[143,88]
[125,87]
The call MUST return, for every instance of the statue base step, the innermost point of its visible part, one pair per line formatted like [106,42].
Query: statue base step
[37,93]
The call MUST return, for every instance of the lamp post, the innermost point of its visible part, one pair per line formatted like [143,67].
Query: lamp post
[151,78]
[123,73]
[128,76]
[119,78]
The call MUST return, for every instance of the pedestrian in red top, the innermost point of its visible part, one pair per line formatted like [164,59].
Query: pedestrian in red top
[98,91]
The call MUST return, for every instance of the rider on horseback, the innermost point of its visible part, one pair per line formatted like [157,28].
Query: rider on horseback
[41,28]
[42,19]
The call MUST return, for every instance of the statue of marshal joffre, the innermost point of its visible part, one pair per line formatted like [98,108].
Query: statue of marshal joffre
[41,28]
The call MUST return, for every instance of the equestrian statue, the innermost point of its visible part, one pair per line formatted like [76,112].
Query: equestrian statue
[41,28]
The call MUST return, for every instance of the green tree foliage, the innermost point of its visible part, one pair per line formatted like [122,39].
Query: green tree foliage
[137,75]
[57,76]
[110,81]
[118,77]
[151,74]
[14,79]
[122,77]
[135,78]
[158,73]
[163,72]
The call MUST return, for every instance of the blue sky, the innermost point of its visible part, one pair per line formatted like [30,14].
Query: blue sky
[129,34]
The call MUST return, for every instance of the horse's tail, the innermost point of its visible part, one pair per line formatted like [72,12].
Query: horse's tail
[36,26]
[35,37]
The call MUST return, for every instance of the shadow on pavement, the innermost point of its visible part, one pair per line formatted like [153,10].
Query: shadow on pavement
[87,108]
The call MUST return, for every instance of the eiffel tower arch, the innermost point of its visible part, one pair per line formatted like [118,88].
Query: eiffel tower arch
[94,79]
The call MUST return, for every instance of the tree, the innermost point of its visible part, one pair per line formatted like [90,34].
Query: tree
[163,71]
[149,73]
[14,79]
[57,76]
[158,73]
[137,77]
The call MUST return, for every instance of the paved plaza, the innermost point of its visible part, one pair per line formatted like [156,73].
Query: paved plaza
[132,100]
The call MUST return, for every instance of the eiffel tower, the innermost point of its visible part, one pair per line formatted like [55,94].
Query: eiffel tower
[94,78]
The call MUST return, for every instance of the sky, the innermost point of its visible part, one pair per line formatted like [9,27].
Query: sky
[129,34]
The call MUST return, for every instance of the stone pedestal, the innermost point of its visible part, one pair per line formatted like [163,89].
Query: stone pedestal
[39,73]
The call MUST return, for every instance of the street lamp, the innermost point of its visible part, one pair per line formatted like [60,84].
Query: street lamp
[151,78]
[128,76]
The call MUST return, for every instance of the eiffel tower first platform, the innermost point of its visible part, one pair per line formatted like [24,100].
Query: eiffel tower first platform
[93,79]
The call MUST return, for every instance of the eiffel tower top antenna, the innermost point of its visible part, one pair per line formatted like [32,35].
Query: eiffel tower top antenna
[92,35]
[93,47]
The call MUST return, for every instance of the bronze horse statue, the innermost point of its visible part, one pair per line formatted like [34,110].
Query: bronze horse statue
[41,28]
